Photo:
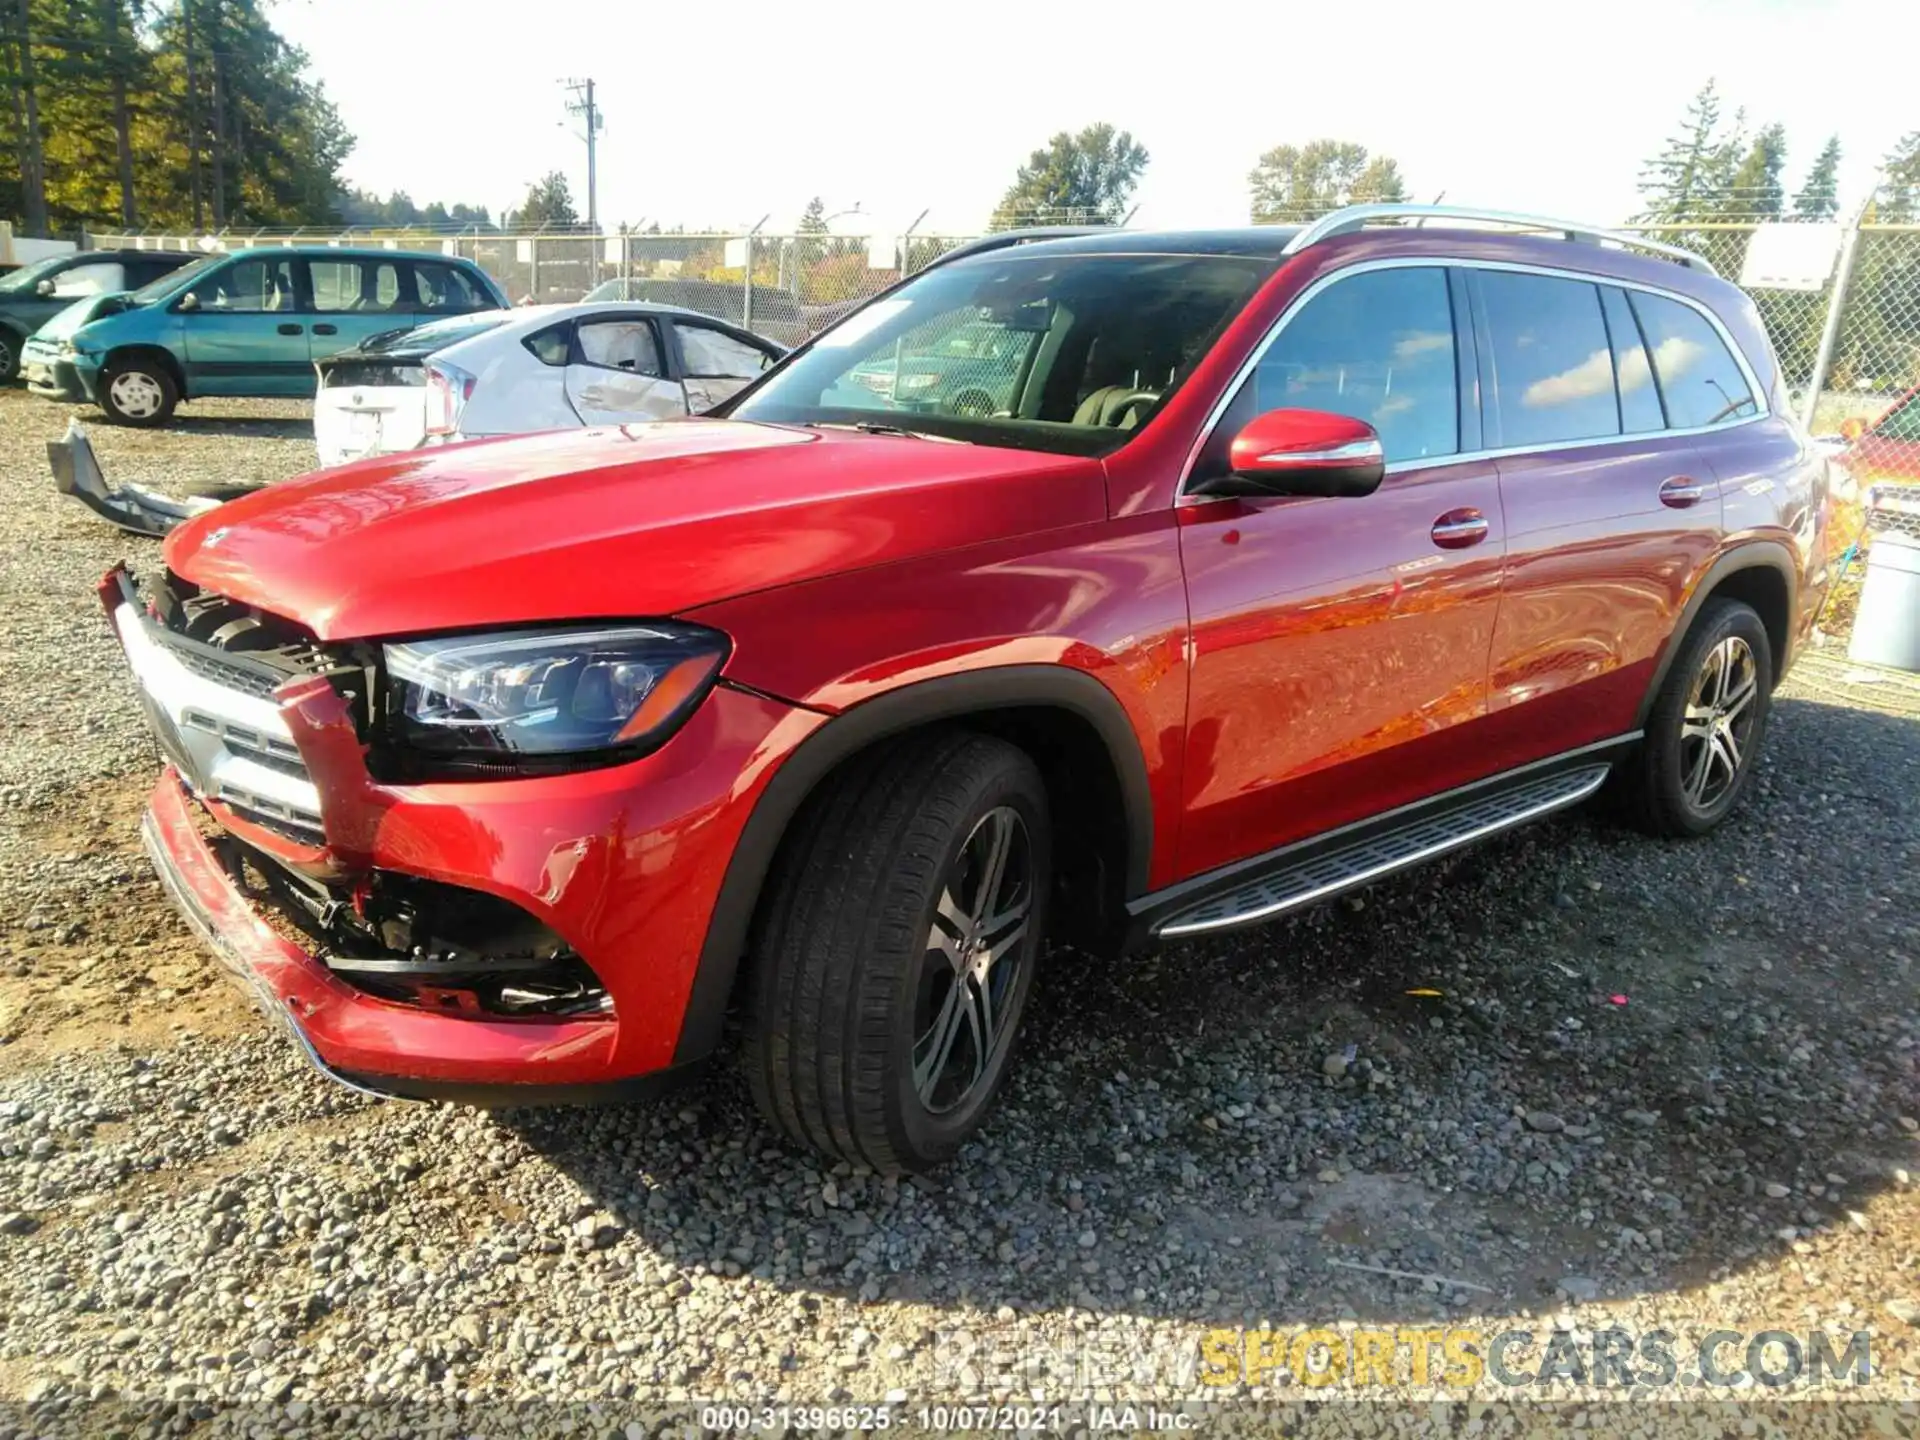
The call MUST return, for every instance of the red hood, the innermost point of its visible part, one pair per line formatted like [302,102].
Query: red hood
[637,520]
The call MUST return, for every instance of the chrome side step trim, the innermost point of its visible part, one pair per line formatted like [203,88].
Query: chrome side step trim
[1319,876]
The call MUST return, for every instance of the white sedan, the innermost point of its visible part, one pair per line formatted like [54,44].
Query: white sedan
[540,367]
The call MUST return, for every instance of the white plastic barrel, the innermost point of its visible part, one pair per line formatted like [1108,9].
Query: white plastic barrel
[1886,631]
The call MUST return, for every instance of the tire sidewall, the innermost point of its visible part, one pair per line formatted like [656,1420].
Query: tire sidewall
[1667,753]
[10,347]
[923,1138]
[157,373]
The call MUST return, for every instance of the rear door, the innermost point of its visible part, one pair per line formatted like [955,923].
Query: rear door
[356,297]
[1611,508]
[617,372]
[717,362]
[244,330]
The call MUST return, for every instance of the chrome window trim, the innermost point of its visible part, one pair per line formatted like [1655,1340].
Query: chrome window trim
[1436,262]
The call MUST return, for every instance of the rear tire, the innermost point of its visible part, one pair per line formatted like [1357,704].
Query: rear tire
[137,391]
[1706,726]
[894,953]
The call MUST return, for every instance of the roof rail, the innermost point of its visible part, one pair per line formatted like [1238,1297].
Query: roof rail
[1005,239]
[1355,217]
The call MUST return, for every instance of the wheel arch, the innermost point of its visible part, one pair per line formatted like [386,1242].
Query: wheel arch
[1076,729]
[1760,574]
[160,353]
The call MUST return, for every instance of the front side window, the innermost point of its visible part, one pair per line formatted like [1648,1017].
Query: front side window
[627,345]
[1700,381]
[254,284]
[1553,375]
[715,355]
[1095,344]
[98,278]
[368,287]
[1378,346]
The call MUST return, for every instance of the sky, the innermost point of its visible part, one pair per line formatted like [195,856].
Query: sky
[716,116]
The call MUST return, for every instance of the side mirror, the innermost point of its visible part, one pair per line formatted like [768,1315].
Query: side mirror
[1852,429]
[45,287]
[1302,452]
[188,301]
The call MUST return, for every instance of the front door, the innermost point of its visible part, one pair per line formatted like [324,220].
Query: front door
[1339,651]
[1610,513]
[245,332]
[355,297]
[615,373]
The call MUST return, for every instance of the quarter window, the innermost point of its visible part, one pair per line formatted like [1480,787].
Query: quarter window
[714,354]
[551,346]
[1700,381]
[1632,374]
[1378,346]
[447,288]
[1553,369]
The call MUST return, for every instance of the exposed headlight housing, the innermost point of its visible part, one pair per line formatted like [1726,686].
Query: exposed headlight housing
[513,701]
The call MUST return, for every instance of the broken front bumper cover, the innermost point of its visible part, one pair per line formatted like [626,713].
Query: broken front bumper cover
[349,1036]
[145,512]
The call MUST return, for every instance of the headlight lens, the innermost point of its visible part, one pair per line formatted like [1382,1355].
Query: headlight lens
[516,699]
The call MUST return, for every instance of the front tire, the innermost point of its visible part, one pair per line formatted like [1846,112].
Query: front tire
[1704,732]
[897,947]
[137,391]
[10,344]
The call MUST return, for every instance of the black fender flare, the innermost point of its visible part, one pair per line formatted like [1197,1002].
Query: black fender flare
[1756,554]
[952,697]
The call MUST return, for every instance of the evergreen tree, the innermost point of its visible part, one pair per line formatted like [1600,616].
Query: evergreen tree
[1679,183]
[1754,191]
[1819,197]
[549,204]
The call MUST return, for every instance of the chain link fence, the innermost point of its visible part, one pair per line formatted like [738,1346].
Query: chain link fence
[1849,346]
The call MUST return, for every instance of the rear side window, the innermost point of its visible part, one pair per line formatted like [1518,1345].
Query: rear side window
[1700,381]
[627,345]
[448,288]
[253,284]
[1632,372]
[356,287]
[1552,365]
[1377,346]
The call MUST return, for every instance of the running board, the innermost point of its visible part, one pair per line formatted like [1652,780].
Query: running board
[1330,872]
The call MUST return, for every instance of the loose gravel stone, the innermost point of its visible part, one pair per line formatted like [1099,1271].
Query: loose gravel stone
[1174,1151]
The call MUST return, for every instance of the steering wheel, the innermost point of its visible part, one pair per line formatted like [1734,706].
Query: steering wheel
[1116,411]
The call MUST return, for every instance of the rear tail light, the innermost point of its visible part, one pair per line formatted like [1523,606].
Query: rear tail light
[448,390]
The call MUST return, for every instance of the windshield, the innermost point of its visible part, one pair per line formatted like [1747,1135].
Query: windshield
[28,276]
[1066,353]
[173,280]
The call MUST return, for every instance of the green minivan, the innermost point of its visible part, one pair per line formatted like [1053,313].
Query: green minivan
[253,322]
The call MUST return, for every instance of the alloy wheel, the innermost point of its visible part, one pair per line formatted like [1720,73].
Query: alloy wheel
[1718,722]
[975,947]
[136,394]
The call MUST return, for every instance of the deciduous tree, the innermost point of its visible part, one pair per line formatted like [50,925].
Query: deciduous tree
[1083,179]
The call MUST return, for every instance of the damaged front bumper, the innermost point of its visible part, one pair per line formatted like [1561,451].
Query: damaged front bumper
[145,512]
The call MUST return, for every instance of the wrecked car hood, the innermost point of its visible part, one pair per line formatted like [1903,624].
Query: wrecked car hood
[636,520]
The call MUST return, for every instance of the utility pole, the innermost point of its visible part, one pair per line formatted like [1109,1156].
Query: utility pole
[583,105]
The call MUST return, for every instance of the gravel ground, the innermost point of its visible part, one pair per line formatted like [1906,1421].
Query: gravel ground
[1659,1084]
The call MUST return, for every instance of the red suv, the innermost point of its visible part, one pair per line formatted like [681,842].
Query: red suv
[1279,560]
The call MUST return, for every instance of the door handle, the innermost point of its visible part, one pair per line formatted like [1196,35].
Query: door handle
[324,329]
[1681,491]
[289,329]
[1458,529]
